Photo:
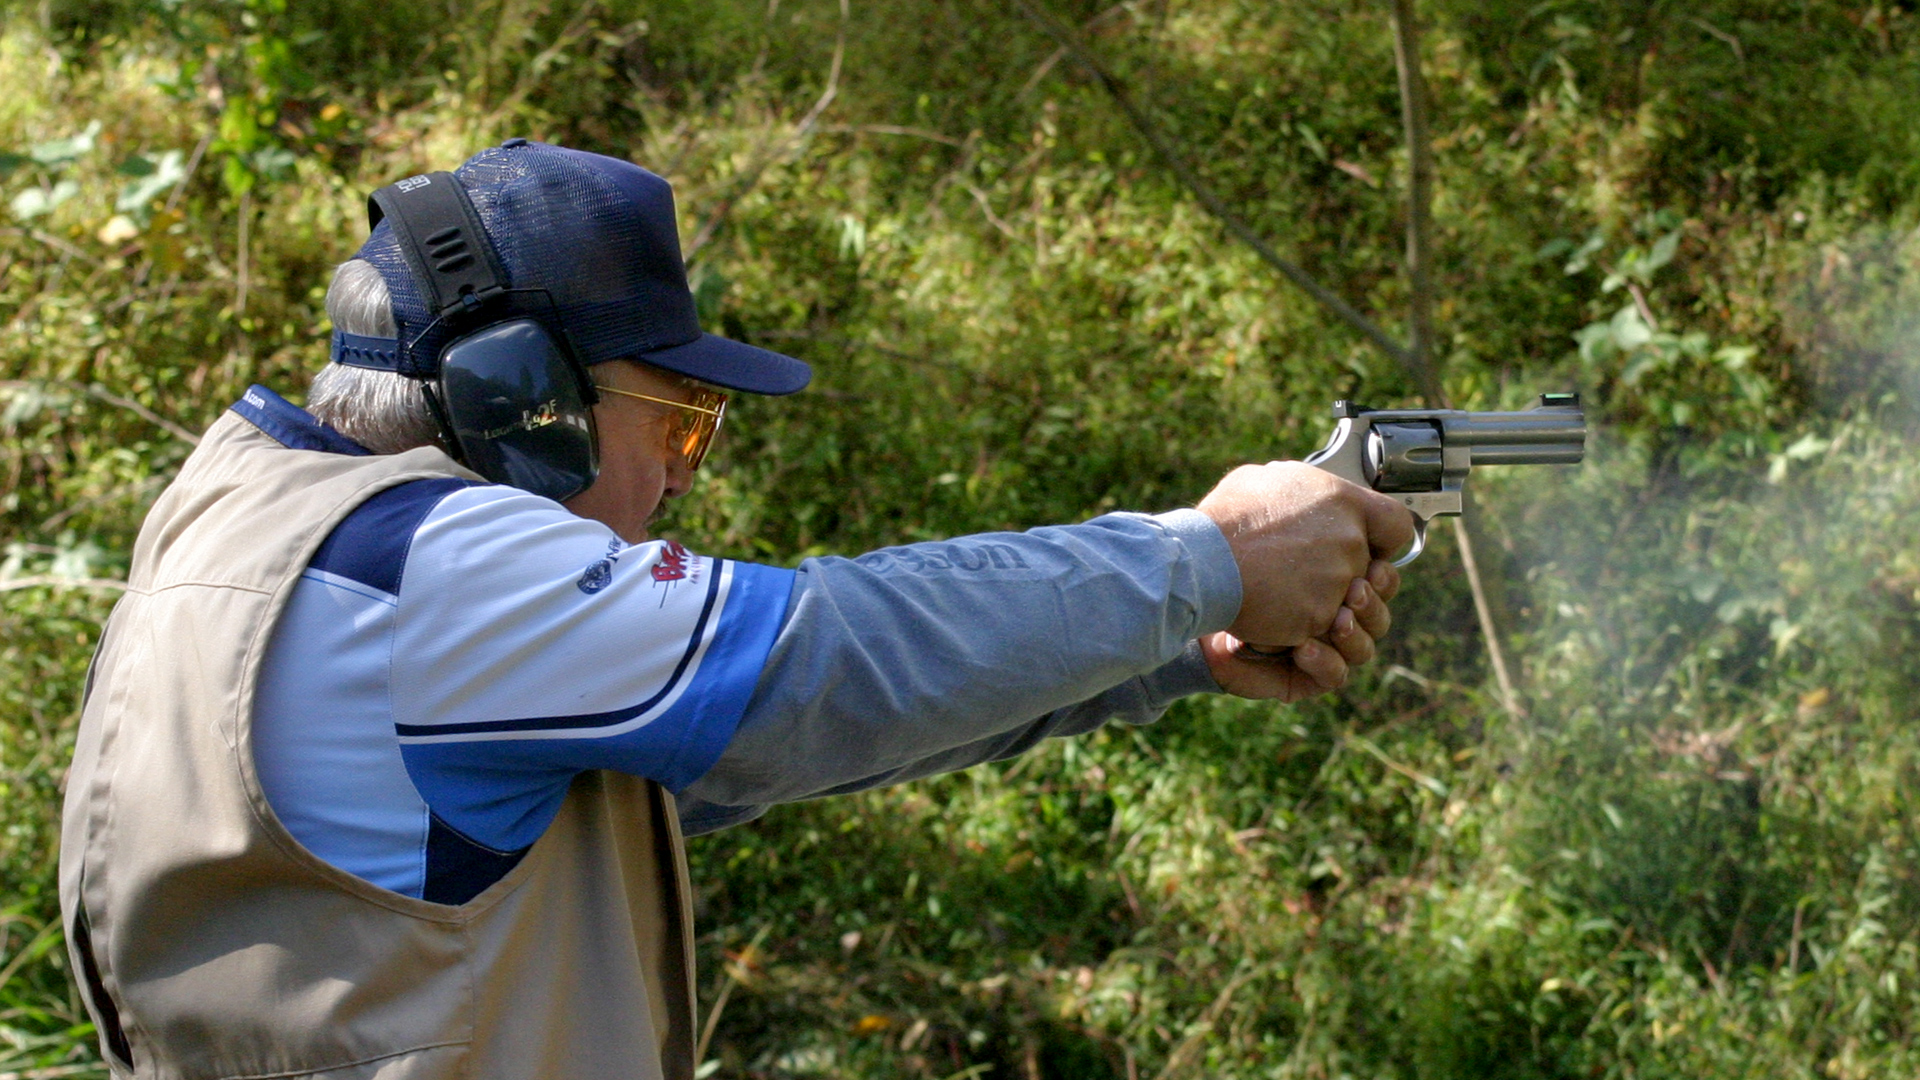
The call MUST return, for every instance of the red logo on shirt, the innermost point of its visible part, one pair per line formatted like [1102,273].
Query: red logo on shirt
[673,563]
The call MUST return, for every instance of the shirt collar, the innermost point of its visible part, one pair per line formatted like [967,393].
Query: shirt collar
[292,426]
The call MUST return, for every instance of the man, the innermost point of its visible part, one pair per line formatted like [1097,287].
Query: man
[388,751]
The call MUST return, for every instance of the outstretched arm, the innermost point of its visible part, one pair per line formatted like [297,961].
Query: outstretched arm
[1139,700]
[921,659]
[949,651]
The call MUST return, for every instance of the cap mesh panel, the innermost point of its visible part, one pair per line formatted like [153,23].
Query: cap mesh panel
[568,230]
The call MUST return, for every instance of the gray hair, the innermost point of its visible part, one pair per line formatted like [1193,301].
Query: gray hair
[381,410]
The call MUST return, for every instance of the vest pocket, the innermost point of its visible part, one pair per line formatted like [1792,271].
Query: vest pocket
[112,1034]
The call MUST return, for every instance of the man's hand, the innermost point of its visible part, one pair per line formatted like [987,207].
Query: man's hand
[1317,666]
[1301,537]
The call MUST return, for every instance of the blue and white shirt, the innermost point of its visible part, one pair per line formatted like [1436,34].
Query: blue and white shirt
[455,653]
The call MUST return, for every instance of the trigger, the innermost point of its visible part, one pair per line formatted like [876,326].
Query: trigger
[1419,543]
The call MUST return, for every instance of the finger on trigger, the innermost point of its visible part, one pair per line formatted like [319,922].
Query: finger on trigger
[1389,524]
[1322,664]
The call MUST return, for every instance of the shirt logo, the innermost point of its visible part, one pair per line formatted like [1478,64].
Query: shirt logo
[673,563]
[599,575]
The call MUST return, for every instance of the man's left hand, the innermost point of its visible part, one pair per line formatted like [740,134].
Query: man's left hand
[1317,666]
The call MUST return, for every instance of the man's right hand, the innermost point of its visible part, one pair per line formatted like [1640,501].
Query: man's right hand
[1302,537]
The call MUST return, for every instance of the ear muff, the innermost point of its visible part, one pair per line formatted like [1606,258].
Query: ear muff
[513,403]
[518,409]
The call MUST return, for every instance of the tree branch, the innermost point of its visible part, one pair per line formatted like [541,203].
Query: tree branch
[752,174]
[111,398]
[1483,609]
[892,129]
[51,581]
[1184,171]
[143,413]
[1413,114]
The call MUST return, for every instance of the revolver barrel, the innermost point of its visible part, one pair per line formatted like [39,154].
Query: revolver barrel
[1551,435]
[1423,455]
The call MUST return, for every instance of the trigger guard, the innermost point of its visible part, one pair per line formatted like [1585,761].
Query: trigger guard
[1419,543]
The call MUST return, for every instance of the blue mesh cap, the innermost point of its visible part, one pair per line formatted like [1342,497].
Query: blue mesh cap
[598,235]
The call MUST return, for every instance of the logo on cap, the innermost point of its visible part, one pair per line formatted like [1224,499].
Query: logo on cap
[413,183]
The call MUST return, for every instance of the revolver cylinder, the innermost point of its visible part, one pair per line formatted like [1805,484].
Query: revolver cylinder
[1406,457]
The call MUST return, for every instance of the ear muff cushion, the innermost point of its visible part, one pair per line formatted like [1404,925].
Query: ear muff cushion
[518,409]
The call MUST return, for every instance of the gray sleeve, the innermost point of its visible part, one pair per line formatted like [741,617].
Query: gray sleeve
[920,659]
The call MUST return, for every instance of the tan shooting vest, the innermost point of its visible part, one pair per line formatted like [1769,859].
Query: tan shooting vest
[211,944]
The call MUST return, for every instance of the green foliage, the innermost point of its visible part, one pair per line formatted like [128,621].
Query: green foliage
[1696,854]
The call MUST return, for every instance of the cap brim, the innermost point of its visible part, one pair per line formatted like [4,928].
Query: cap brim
[728,363]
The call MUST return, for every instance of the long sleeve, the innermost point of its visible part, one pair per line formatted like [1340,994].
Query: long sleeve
[921,659]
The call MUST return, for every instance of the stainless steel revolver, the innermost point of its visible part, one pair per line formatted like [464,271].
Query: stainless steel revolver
[1421,456]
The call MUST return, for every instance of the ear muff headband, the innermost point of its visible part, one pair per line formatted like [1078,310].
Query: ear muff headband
[511,399]
[442,240]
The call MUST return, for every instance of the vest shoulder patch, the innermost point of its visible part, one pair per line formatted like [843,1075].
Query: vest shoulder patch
[371,545]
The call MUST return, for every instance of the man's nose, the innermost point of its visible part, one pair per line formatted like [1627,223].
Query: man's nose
[679,477]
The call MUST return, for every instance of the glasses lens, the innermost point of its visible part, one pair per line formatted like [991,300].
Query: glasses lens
[695,431]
